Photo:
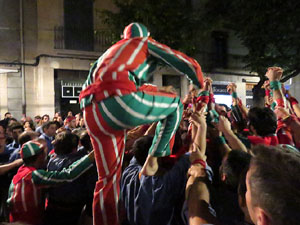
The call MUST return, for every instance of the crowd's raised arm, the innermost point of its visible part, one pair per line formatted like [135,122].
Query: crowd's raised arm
[215,164]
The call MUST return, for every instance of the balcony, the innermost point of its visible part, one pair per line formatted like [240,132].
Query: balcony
[212,61]
[82,40]
[100,40]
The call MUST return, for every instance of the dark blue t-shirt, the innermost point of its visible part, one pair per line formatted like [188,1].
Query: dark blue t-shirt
[151,200]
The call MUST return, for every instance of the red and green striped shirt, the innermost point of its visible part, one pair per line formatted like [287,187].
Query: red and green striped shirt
[25,192]
[125,66]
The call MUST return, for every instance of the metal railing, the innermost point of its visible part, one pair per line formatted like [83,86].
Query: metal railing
[210,61]
[101,40]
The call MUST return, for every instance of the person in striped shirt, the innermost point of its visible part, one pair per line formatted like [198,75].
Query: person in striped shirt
[115,98]
[25,197]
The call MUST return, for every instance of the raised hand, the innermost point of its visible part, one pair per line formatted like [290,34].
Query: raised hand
[231,88]
[224,124]
[274,73]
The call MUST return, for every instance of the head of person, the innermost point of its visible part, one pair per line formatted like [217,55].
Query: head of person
[45,118]
[262,121]
[27,136]
[57,114]
[2,136]
[28,126]
[223,109]
[70,113]
[78,117]
[34,154]
[273,193]
[85,141]
[16,129]
[37,119]
[232,166]
[49,128]
[11,121]
[141,148]
[134,30]
[65,143]
[71,122]
[7,115]
[82,123]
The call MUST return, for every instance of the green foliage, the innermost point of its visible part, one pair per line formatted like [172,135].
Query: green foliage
[172,22]
[269,29]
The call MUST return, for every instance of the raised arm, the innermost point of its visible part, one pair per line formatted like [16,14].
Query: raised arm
[274,74]
[234,142]
[42,177]
[7,167]
[294,103]
[198,121]
[197,193]
[177,60]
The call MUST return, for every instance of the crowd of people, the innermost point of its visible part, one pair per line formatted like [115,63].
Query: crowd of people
[228,165]
[140,155]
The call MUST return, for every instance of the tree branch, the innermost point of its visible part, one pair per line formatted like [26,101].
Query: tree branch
[293,74]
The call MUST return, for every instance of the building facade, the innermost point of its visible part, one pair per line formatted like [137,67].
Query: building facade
[47,47]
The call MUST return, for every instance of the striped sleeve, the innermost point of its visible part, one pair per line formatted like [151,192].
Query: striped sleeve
[43,177]
[177,60]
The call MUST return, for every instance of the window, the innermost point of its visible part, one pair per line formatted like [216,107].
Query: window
[220,49]
[78,19]
[173,80]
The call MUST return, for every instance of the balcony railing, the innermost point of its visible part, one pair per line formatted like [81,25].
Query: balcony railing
[97,40]
[100,40]
[210,61]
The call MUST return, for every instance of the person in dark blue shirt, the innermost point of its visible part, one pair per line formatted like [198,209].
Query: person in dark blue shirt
[66,202]
[150,195]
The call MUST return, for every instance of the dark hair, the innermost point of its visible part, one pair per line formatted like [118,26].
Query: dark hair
[15,126]
[65,142]
[30,124]
[7,113]
[86,141]
[47,125]
[38,117]
[263,120]
[58,125]
[45,115]
[235,162]
[274,183]
[226,107]
[25,136]
[141,148]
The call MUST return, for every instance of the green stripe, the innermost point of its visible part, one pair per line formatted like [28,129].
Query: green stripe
[147,73]
[66,175]
[117,116]
[174,62]
[117,111]
[10,192]
[89,78]
[135,30]
[88,100]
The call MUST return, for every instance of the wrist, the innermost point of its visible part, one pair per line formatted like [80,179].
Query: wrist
[199,161]
[227,132]
[234,94]
[275,85]
[204,93]
[220,140]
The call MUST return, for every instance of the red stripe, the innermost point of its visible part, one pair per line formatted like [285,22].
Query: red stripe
[111,160]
